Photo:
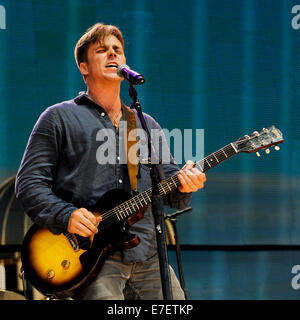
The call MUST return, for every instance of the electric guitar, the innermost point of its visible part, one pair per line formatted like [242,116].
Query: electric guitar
[59,265]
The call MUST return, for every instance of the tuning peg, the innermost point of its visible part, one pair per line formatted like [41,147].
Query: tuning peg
[258,154]
[267,151]
[277,148]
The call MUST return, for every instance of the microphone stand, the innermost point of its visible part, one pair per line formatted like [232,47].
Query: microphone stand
[157,175]
[173,219]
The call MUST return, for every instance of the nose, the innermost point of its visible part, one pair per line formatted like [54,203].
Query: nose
[111,52]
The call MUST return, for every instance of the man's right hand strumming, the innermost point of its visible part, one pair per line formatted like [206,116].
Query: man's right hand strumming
[83,223]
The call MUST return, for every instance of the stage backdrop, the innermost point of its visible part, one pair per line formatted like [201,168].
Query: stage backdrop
[228,67]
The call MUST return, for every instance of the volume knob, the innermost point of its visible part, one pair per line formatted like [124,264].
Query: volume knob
[50,274]
[66,264]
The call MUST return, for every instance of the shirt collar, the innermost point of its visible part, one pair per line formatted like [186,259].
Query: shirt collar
[83,98]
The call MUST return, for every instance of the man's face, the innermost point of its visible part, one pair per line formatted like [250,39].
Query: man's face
[103,60]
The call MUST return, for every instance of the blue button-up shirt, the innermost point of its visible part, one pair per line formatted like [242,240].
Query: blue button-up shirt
[60,172]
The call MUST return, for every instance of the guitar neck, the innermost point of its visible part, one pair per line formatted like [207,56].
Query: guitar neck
[130,207]
[217,157]
[203,165]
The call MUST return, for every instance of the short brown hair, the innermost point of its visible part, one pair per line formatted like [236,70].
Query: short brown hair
[96,33]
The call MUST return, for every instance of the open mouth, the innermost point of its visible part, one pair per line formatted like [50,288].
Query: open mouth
[112,65]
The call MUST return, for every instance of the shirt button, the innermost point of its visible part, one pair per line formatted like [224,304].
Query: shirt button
[102,114]
[120,180]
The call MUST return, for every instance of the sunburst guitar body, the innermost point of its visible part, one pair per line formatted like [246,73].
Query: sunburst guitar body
[60,265]
[53,257]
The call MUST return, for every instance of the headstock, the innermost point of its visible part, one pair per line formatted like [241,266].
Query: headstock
[267,137]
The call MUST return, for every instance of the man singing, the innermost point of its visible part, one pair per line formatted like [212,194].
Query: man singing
[60,176]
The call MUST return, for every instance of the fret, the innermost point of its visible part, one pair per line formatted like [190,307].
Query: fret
[133,205]
[201,162]
[216,158]
[148,196]
[114,212]
[165,186]
[126,207]
[230,150]
[176,182]
[199,166]
[212,161]
[221,155]
[206,165]
[141,204]
[173,182]
[161,189]
[234,148]
[207,162]
[117,213]
[169,186]
[224,152]
[121,212]
[144,199]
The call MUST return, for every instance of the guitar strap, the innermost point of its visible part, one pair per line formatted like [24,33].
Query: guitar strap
[131,140]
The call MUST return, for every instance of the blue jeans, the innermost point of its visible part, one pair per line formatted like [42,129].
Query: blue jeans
[130,281]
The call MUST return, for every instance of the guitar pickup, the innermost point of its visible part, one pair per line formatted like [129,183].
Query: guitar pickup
[72,240]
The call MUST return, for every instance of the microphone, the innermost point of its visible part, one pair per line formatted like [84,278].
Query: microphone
[129,75]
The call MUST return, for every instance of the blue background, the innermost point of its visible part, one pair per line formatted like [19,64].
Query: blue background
[228,67]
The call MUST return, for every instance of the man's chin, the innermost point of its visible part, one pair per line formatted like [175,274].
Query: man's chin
[114,77]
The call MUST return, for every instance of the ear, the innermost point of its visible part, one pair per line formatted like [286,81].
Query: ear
[83,68]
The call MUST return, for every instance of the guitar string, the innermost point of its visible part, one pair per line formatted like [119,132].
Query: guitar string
[109,220]
[146,195]
[132,205]
[203,164]
[112,211]
[111,216]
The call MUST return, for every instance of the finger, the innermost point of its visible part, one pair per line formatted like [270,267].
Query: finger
[198,176]
[186,183]
[99,219]
[89,224]
[188,165]
[83,231]
[198,180]
[78,228]
[85,218]
[95,220]
[195,177]
[89,215]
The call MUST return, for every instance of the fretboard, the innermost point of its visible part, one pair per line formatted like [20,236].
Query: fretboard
[133,205]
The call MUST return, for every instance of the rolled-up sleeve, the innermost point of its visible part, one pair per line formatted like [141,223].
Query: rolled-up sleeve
[36,174]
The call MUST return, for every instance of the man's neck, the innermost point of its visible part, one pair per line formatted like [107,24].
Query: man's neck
[108,97]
